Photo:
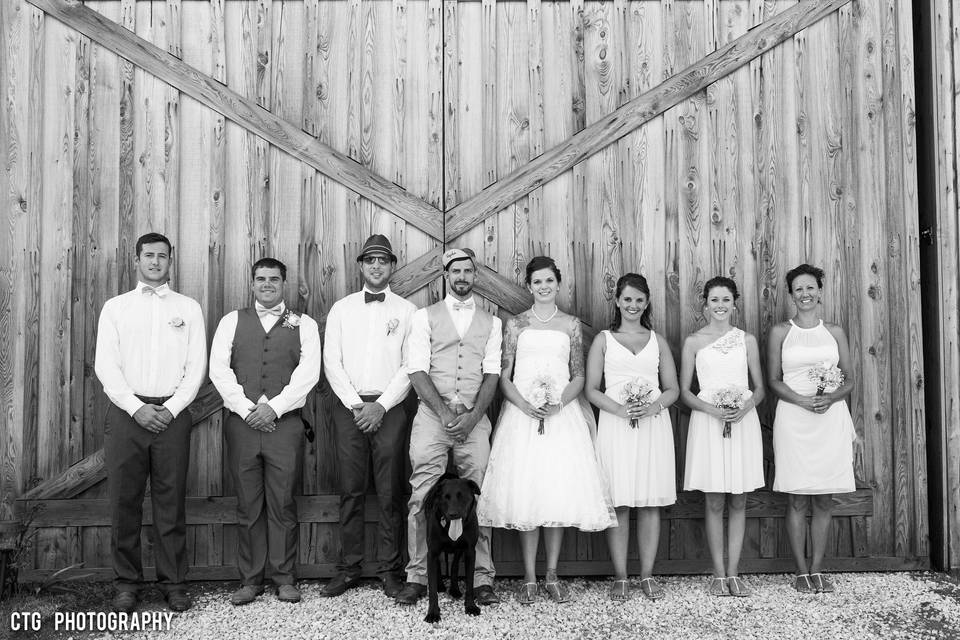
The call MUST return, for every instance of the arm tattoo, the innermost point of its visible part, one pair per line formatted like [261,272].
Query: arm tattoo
[576,350]
[514,327]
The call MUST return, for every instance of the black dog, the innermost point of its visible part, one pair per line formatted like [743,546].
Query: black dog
[451,513]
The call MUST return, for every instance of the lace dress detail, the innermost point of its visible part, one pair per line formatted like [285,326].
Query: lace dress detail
[638,463]
[813,451]
[713,463]
[550,479]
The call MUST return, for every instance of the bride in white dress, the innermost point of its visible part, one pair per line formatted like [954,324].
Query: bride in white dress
[543,471]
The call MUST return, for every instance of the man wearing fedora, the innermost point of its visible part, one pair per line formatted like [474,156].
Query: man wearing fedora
[454,364]
[364,359]
[150,357]
[264,360]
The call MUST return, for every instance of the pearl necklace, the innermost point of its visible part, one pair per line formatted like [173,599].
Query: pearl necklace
[556,310]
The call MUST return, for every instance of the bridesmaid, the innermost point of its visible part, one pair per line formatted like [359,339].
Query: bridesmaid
[634,440]
[812,432]
[724,468]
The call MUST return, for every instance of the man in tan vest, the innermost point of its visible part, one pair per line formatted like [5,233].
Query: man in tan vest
[454,365]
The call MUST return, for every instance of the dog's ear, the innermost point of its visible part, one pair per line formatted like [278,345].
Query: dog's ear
[473,487]
[431,499]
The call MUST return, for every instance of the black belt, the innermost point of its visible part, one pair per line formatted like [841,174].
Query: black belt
[371,398]
[153,399]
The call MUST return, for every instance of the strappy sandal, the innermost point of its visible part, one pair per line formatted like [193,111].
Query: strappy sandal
[738,587]
[717,587]
[557,591]
[620,591]
[651,588]
[821,583]
[527,593]
[801,582]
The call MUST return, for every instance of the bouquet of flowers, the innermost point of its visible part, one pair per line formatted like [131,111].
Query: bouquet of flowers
[636,391]
[728,398]
[544,390]
[825,375]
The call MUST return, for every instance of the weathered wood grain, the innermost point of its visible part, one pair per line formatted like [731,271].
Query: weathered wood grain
[239,109]
[678,88]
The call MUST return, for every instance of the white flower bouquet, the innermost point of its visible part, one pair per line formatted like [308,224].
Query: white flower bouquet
[728,398]
[826,375]
[544,390]
[639,392]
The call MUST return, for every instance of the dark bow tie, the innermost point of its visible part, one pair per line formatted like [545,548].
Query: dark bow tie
[373,297]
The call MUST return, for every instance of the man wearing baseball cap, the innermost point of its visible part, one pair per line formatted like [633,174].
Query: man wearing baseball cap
[454,365]
[363,355]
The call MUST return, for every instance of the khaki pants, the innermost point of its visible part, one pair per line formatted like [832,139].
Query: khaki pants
[429,444]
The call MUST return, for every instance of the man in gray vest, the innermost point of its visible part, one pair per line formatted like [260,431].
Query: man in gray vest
[264,361]
[453,359]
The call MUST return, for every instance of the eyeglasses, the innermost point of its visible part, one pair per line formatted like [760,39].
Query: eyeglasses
[375,259]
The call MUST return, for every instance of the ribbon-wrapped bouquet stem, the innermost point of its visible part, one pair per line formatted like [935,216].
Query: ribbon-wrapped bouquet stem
[728,398]
[544,390]
[637,391]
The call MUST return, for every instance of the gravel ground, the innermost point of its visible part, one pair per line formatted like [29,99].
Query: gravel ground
[866,605]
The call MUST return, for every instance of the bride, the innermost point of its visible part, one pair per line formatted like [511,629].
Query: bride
[543,471]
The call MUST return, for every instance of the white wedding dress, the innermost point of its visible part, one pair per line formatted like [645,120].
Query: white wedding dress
[550,479]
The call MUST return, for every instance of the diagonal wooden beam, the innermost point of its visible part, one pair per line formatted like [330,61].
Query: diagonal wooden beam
[635,113]
[247,113]
[415,275]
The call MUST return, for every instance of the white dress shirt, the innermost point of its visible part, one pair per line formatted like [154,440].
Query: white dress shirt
[364,348]
[151,344]
[302,380]
[418,344]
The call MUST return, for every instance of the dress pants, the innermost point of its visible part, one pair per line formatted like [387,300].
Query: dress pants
[429,444]
[131,453]
[266,472]
[355,450]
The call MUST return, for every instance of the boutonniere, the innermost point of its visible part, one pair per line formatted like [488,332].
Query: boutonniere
[176,323]
[290,320]
[392,326]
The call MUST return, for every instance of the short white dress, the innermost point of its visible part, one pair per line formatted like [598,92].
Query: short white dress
[550,479]
[638,462]
[715,464]
[813,452]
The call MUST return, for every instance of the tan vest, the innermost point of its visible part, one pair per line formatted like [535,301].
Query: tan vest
[455,363]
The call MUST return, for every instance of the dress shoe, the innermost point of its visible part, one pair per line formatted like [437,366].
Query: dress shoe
[338,585]
[411,593]
[391,585]
[485,596]
[246,594]
[124,601]
[288,593]
[178,600]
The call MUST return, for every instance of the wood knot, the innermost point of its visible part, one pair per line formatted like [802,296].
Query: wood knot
[873,292]
[878,416]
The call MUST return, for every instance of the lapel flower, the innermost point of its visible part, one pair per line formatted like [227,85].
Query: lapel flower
[392,326]
[176,323]
[290,320]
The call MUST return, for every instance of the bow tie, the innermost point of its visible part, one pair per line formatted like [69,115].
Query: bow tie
[373,297]
[147,290]
[263,312]
[457,306]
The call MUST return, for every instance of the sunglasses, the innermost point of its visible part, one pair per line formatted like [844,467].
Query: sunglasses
[376,259]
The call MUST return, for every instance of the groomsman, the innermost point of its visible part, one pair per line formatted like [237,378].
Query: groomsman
[264,361]
[364,359]
[151,359]
[454,364]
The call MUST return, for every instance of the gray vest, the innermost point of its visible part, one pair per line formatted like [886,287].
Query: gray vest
[456,363]
[263,361]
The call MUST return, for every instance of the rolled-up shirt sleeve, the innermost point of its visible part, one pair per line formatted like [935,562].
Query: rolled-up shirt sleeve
[221,374]
[106,363]
[305,376]
[196,365]
[418,343]
[491,354]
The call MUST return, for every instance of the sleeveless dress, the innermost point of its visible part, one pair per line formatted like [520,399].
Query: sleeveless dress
[813,452]
[550,479]
[716,464]
[638,463]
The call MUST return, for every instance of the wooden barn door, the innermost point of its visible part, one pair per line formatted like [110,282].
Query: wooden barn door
[677,138]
